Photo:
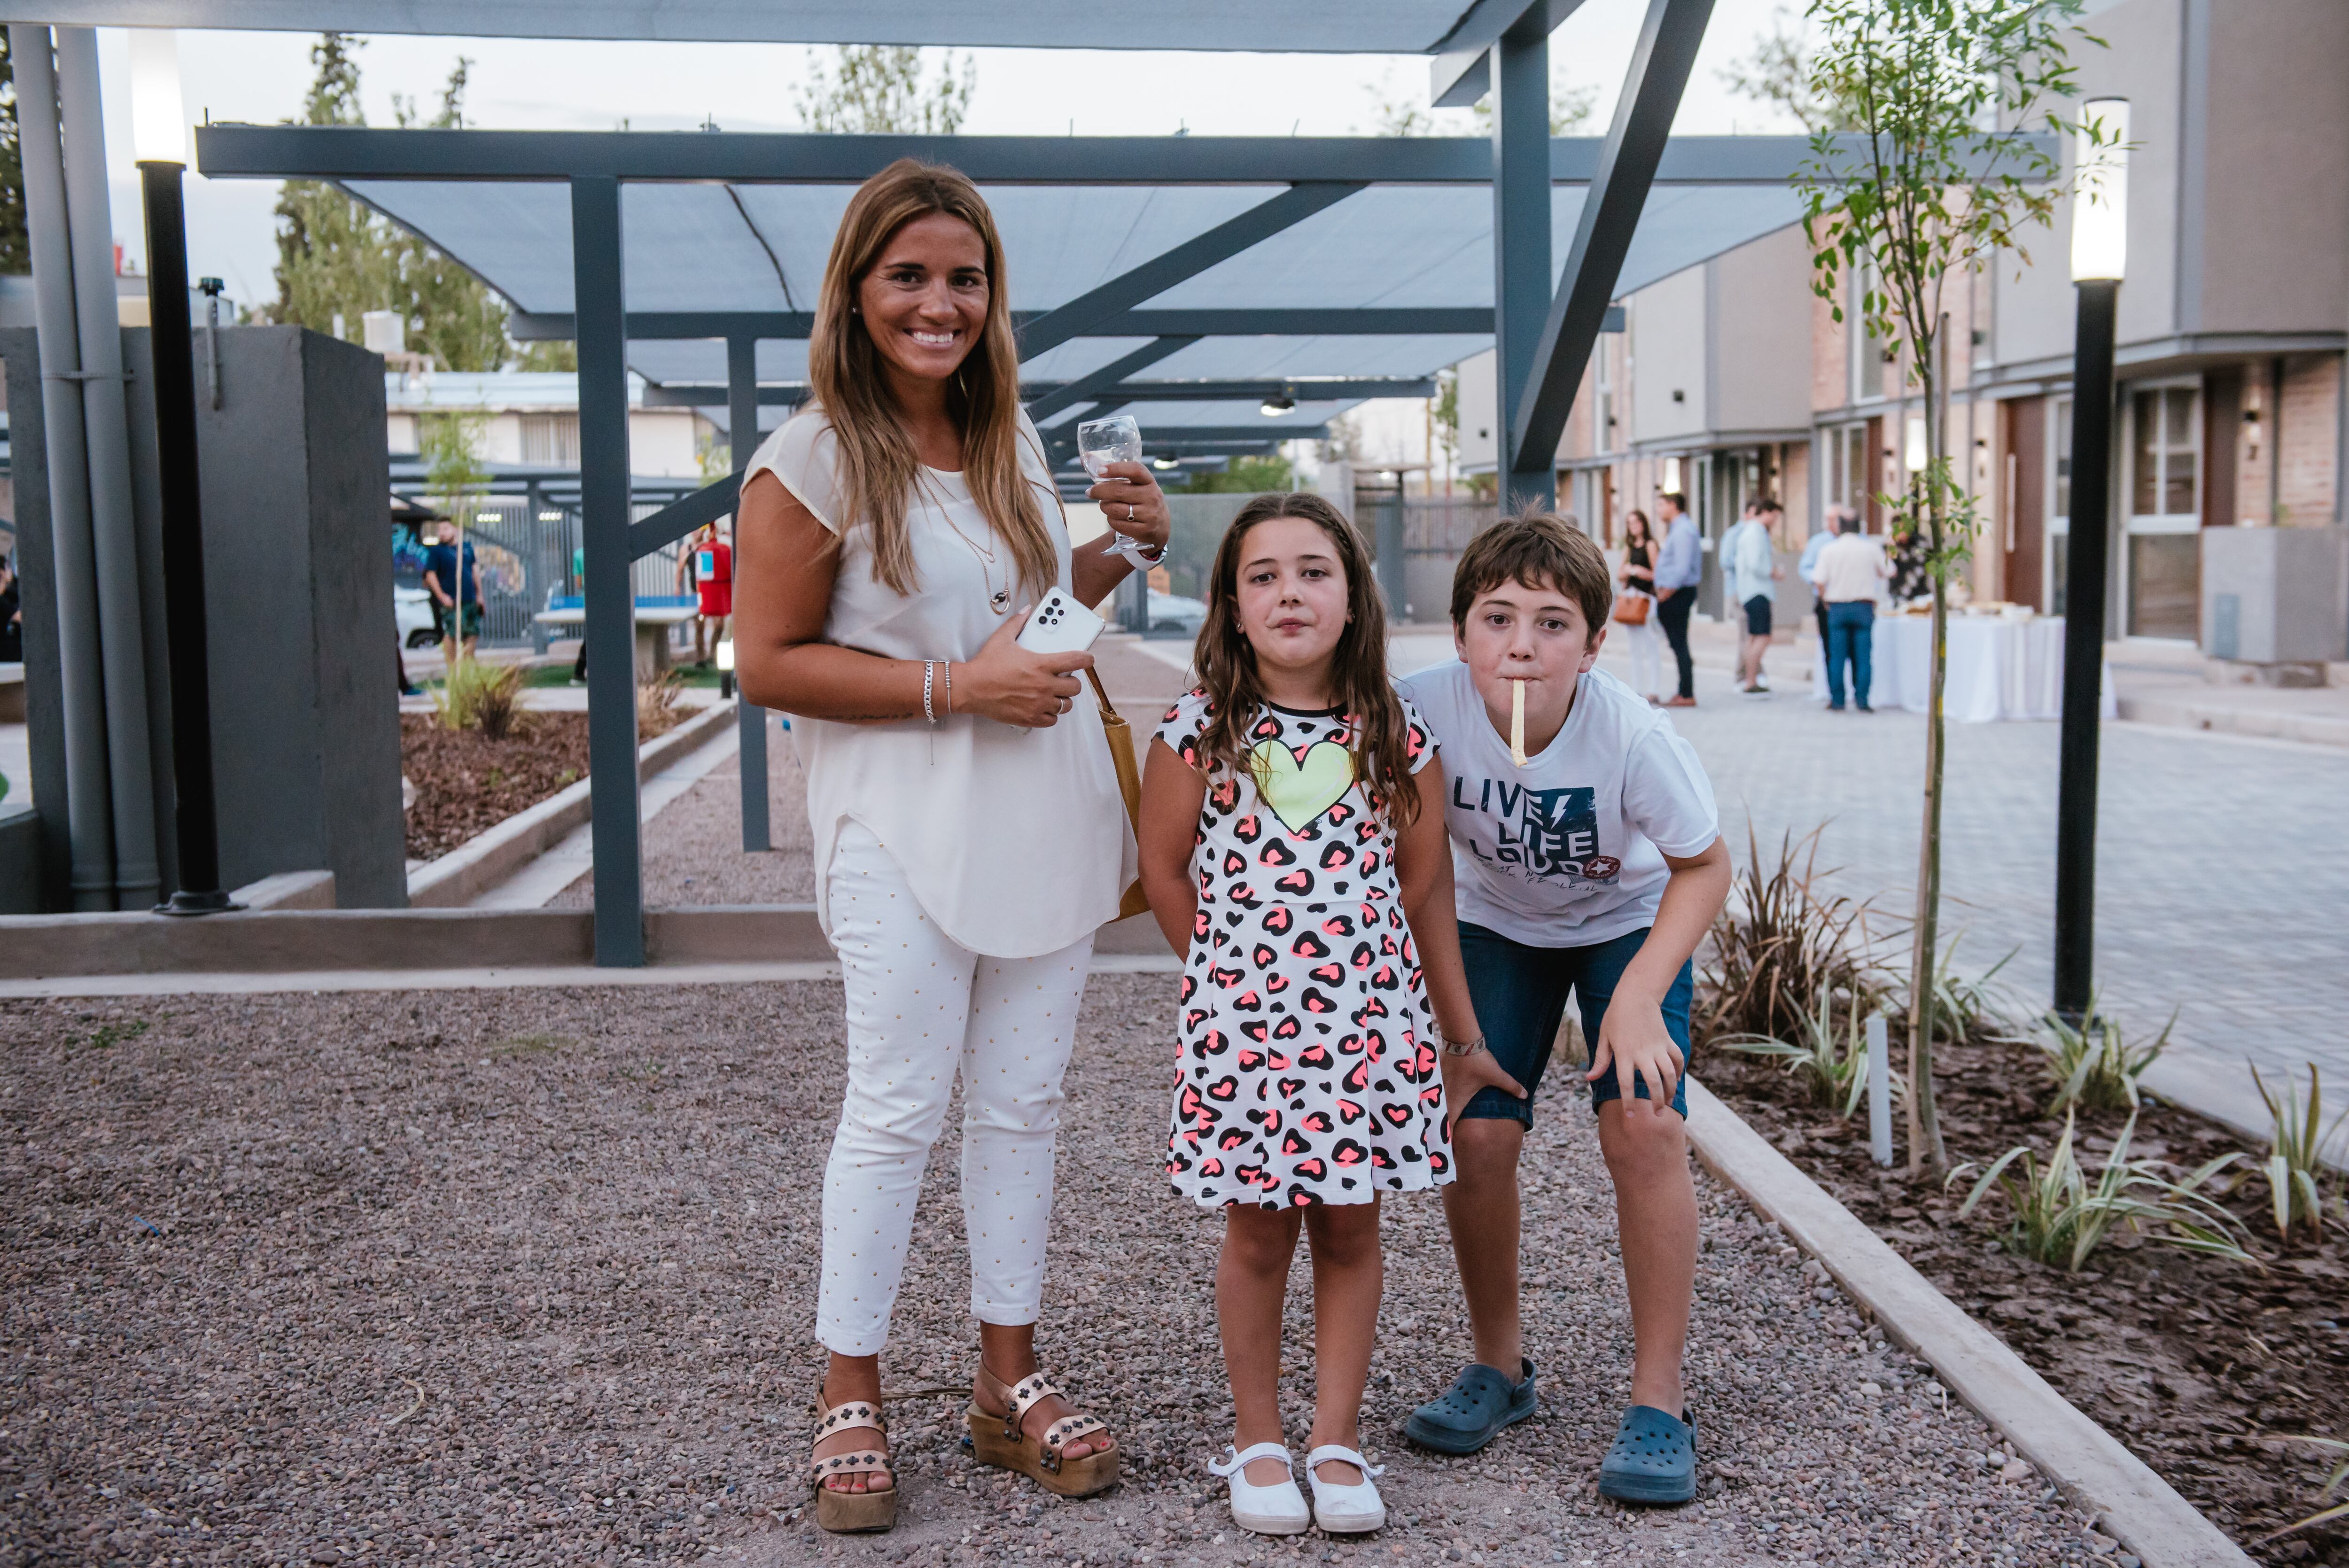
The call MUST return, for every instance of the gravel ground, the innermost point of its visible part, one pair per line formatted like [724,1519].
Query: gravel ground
[693,850]
[526,1276]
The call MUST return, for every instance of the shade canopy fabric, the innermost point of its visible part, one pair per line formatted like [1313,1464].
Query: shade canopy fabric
[723,248]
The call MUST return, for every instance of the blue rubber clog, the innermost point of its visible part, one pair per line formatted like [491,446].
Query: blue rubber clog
[1653,1458]
[1472,1412]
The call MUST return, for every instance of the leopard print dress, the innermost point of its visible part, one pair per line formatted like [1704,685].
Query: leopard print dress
[1308,1067]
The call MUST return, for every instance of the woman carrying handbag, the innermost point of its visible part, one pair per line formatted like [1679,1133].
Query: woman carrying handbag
[969,826]
[1635,607]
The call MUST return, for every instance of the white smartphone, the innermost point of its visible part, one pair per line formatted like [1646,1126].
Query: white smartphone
[1058,625]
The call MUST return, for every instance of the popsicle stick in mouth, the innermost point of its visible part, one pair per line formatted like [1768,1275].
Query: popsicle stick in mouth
[1517,721]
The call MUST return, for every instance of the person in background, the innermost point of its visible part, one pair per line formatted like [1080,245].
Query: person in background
[1639,578]
[456,589]
[1850,576]
[1809,563]
[12,618]
[1748,568]
[709,565]
[1908,564]
[1679,567]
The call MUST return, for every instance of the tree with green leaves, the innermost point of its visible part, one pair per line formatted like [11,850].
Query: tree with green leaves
[337,259]
[1570,105]
[876,88]
[1931,193]
[1776,74]
[1239,476]
[15,250]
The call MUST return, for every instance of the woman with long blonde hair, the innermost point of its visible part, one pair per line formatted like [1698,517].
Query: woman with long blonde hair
[969,835]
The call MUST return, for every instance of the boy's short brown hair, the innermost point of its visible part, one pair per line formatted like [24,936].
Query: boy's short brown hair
[1535,548]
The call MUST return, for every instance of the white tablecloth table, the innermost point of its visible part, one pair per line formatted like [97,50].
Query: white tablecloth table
[1998,668]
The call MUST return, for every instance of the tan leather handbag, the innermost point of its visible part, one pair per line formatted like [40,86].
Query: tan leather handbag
[1129,784]
[1632,607]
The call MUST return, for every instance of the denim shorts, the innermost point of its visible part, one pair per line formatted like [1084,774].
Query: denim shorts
[1520,996]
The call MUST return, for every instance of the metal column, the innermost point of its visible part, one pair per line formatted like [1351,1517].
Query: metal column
[610,628]
[2084,650]
[1521,239]
[82,692]
[106,426]
[741,440]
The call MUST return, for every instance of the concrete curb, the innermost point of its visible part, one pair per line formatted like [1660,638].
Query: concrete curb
[2100,1476]
[491,856]
[2268,723]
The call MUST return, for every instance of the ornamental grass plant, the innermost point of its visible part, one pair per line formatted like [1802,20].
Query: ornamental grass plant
[484,696]
[2059,1217]
[2295,1162]
[2094,1067]
[1781,946]
[1829,1055]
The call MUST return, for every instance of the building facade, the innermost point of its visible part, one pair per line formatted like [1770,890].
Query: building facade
[1733,379]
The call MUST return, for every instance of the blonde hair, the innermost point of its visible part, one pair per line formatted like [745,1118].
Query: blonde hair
[878,464]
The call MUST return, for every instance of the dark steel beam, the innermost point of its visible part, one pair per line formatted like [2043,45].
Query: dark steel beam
[362,153]
[1658,73]
[1082,316]
[1521,227]
[1051,400]
[682,516]
[1457,320]
[1051,397]
[751,721]
[610,620]
[1462,71]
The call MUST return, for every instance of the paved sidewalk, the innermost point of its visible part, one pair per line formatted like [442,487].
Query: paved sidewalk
[2222,869]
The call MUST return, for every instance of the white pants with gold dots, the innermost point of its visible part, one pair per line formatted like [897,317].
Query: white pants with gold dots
[921,1006]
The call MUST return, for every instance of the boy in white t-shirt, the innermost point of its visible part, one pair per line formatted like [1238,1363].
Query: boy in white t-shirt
[1596,866]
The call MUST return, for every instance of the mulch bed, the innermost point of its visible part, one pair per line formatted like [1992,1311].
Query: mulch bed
[466,782]
[2195,1363]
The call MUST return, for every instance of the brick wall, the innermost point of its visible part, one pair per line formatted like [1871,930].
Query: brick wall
[2310,449]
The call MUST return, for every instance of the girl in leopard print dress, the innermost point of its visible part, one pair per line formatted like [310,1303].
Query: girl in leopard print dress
[1293,846]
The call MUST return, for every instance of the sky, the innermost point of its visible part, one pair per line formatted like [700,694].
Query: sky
[558,85]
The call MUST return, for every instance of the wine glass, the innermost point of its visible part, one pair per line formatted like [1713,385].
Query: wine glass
[1101,442]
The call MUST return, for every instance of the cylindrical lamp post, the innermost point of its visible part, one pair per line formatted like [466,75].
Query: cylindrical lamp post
[158,137]
[2099,255]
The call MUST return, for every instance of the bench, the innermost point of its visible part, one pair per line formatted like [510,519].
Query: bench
[656,613]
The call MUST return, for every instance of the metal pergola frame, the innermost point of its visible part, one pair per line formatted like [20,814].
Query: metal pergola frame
[1543,336]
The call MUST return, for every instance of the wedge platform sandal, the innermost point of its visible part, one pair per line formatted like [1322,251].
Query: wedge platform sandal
[852,1512]
[997,1441]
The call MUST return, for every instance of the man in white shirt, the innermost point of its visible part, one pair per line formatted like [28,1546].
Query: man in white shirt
[1850,576]
[1748,568]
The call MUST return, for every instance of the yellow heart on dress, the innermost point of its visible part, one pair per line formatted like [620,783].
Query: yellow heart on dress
[1300,791]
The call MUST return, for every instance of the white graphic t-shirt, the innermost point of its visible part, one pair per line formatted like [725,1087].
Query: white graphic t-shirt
[1567,850]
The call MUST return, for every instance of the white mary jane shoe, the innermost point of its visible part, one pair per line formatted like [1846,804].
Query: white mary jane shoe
[1268,1509]
[1345,1509]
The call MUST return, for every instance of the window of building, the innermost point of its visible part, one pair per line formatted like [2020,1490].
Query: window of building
[1847,466]
[551,439]
[2163,581]
[2059,500]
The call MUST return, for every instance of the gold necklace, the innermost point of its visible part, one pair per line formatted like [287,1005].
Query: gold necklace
[998,599]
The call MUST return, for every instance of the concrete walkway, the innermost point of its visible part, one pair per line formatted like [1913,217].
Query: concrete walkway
[2222,871]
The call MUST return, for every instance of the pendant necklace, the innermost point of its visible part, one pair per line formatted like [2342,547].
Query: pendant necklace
[998,599]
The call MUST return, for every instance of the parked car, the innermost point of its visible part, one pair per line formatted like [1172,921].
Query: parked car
[411,609]
[1174,613]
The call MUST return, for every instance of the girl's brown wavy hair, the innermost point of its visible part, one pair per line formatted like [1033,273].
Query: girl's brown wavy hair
[1358,668]
[878,465]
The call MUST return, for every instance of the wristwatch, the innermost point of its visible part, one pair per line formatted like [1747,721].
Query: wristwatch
[1463,1048]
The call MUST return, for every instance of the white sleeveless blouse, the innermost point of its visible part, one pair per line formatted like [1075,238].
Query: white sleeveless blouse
[1015,840]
